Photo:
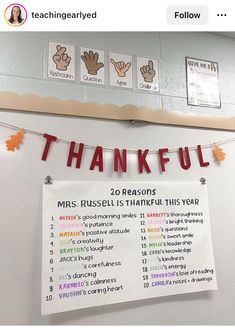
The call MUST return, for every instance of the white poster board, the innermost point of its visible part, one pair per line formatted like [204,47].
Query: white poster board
[61,63]
[147,74]
[202,83]
[120,70]
[111,242]
[92,66]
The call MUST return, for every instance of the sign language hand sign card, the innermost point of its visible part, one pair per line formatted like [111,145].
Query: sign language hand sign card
[92,66]
[61,61]
[147,74]
[120,67]
[120,70]
[61,58]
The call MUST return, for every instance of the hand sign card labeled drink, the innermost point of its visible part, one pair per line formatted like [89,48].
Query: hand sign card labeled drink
[61,61]
[120,70]
[147,74]
[92,66]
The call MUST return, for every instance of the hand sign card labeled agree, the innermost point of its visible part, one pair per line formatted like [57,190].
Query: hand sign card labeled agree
[61,61]
[92,66]
[147,74]
[120,70]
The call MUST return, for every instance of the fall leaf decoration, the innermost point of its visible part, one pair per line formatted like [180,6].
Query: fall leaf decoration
[218,152]
[15,140]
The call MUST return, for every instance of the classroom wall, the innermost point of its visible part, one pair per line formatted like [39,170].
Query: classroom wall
[22,173]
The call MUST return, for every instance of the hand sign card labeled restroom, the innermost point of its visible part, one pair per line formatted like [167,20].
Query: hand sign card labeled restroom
[147,74]
[120,70]
[61,61]
[92,66]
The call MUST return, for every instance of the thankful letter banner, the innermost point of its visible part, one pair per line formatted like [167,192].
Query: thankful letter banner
[76,152]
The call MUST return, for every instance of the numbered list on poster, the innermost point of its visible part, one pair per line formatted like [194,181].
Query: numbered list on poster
[106,243]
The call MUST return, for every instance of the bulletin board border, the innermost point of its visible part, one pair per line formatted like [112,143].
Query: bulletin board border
[52,105]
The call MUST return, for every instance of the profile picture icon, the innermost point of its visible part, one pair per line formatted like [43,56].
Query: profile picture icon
[15,14]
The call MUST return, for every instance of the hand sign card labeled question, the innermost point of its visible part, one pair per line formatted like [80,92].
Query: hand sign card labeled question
[120,70]
[92,66]
[61,61]
[147,74]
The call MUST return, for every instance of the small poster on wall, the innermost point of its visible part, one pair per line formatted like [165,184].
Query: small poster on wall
[202,83]
[147,74]
[61,61]
[92,66]
[121,68]
[111,242]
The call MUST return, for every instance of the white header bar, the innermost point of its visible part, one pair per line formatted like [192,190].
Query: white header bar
[124,15]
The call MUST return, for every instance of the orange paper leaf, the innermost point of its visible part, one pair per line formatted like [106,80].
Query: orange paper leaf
[218,152]
[15,140]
